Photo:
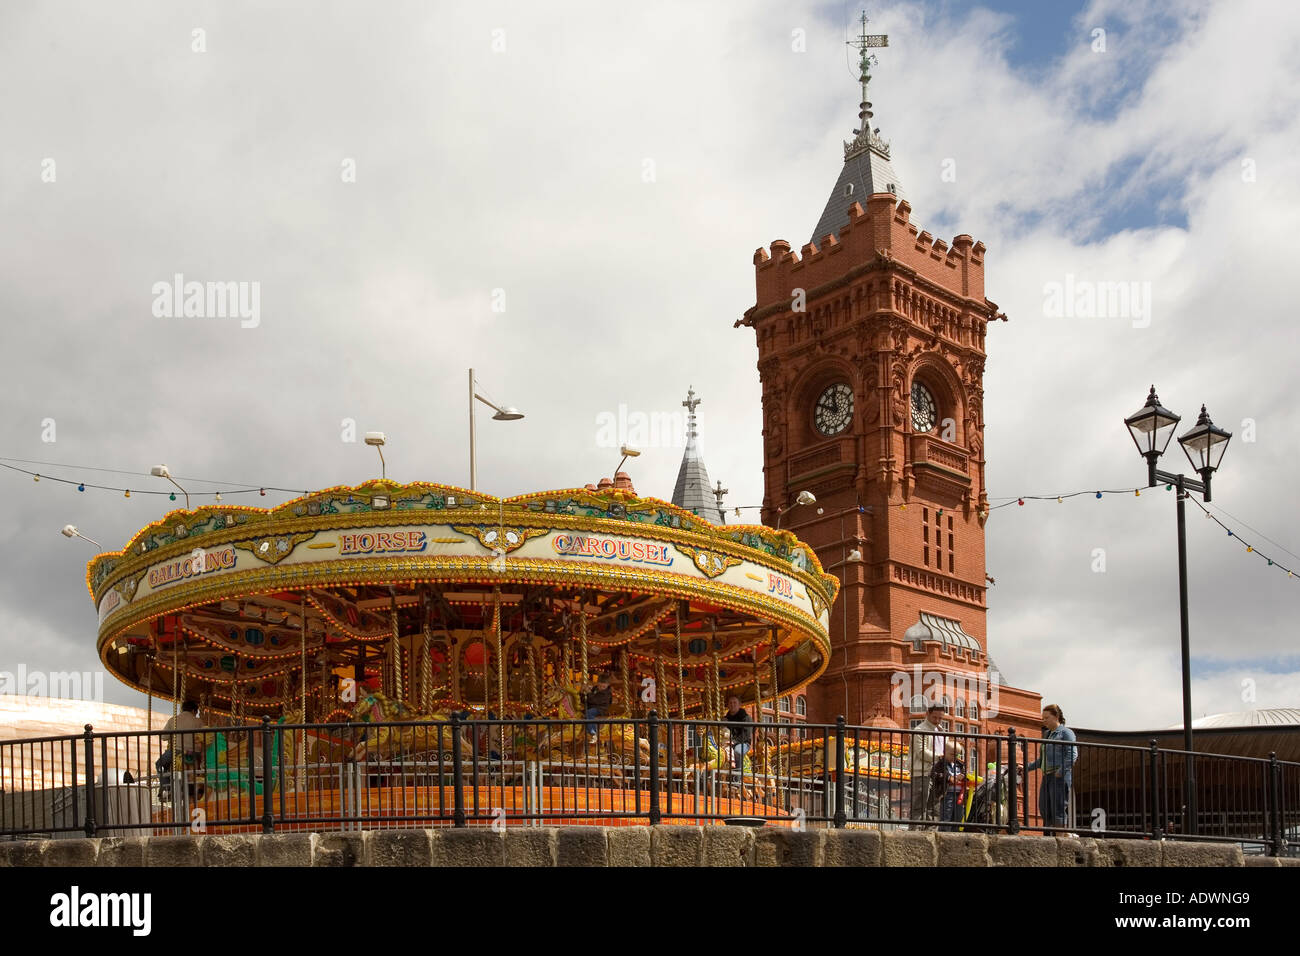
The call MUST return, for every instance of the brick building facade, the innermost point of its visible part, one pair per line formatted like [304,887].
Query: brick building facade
[871,345]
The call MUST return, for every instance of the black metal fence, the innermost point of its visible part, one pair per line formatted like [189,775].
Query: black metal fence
[274,777]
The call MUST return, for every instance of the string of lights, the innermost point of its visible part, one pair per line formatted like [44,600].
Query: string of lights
[232,488]
[237,488]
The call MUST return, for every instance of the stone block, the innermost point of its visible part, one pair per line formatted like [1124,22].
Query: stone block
[122,851]
[909,848]
[581,846]
[468,846]
[1176,853]
[729,846]
[80,852]
[1084,851]
[398,848]
[1129,852]
[339,849]
[629,846]
[852,848]
[229,849]
[672,845]
[779,846]
[1023,850]
[284,849]
[962,849]
[172,851]
[530,846]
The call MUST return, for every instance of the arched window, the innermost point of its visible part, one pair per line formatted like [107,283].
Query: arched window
[959,709]
[801,706]
[785,705]
[974,711]
[917,704]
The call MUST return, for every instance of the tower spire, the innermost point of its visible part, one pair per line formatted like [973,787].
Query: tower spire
[692,490]
[867,169]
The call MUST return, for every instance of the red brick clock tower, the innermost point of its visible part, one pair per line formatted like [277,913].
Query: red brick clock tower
[871,348]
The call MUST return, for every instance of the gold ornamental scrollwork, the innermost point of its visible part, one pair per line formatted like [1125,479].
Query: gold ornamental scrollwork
[710,563]
[274,548]
[497,538]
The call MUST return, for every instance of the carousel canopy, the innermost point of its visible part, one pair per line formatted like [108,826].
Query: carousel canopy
[448,598]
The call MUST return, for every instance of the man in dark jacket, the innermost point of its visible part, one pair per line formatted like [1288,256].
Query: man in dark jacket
[599,699]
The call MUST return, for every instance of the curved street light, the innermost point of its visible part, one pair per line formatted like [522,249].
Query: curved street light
[504,413]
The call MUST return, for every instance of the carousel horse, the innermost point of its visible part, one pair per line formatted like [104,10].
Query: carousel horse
[387,741]
[318,746]
[719,759]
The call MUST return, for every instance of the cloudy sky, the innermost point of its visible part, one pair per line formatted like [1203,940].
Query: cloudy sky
[567,197]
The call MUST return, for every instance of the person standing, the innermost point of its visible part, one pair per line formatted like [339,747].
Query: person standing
[1056,759]
[948,779]
[741,732]
[925,749]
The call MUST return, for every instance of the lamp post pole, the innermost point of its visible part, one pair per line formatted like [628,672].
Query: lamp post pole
[1151,427]
[473,474]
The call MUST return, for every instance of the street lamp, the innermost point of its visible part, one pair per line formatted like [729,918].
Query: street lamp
[70,531]
[160,471]
[805,498]
[507,413]
[1204,444]
[377,440]
[627,451]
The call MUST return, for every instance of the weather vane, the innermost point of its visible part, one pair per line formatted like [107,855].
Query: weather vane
[866,41]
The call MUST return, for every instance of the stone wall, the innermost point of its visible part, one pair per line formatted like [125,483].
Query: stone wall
[624,846]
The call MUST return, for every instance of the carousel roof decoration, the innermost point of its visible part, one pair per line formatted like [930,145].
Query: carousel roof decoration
[456,599]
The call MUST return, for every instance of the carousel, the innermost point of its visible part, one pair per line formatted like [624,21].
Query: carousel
[400,605]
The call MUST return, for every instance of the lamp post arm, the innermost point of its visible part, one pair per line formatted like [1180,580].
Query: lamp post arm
[182,491]
[1182,481]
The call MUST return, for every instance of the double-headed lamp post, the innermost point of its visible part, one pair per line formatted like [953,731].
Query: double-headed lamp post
[1204,444]
[507,413]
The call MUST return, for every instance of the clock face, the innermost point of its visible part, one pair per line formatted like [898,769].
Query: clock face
[834,410]
[924,412]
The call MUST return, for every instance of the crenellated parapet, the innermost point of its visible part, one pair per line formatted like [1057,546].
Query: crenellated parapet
[881,236]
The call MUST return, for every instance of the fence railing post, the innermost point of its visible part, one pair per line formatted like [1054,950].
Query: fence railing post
[1013,792]
[840,819]
[457,767]
[1154,785]
[1275,798]
[90,782]
[268,823]
[653,730]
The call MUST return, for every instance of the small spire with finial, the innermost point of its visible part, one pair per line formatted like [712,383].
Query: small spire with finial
[865,136]
[690,404]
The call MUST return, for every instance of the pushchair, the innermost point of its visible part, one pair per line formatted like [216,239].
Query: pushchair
[988,801]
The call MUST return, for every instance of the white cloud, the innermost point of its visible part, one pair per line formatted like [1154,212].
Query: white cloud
[523,171]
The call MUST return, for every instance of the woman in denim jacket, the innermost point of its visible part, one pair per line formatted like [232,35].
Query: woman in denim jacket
[1057,761]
